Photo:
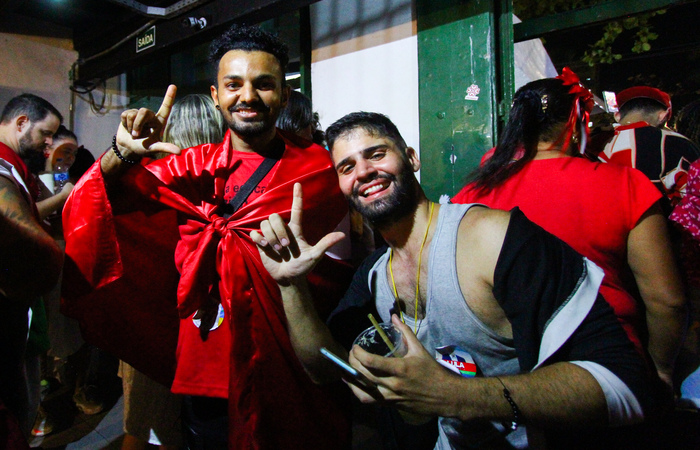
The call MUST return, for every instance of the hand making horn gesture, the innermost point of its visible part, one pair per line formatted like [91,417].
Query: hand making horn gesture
[284,252]
[140,130]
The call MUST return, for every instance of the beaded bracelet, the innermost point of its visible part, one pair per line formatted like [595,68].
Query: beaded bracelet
[118,153]
[516,411]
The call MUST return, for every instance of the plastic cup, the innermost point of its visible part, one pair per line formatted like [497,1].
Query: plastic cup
[370,340]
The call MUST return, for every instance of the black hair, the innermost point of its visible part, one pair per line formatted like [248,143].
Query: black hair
[249,39]
[33,106]
[297,115]
[64,133]
[375,124]
[642,105]
[687,121]
[83,160]
[540,112]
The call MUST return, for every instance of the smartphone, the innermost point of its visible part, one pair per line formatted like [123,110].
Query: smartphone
[610,101]
[349,370]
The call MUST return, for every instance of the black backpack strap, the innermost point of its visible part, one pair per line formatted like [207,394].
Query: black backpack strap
[252,182]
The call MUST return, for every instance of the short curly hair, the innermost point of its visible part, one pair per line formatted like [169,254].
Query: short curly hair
[248,38]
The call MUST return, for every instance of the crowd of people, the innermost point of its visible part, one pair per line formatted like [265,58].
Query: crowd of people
[223,240]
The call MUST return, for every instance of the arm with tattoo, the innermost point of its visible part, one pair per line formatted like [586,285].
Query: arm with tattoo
[30,260]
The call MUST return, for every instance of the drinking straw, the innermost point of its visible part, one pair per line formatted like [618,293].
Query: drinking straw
[381,332]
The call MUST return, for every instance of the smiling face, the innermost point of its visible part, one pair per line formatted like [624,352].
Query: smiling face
[376,176]
[250,92]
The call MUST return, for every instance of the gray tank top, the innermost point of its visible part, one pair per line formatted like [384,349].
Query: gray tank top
[450,322]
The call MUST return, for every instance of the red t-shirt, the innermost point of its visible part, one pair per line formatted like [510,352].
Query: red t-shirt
[590,206]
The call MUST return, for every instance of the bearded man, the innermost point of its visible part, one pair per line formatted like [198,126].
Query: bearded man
[461,282]
[30,260]
[235,364]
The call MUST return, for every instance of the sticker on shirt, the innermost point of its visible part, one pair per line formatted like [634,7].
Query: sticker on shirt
[219,319]
[456,359]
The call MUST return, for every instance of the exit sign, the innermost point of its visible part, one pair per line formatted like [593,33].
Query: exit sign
[147,39]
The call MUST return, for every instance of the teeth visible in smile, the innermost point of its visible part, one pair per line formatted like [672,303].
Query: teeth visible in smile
[372,190]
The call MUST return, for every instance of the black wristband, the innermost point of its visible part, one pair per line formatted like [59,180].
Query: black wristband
[118,153]
[516,411]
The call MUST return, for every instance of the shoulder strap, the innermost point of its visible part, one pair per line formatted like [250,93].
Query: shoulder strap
[245,191]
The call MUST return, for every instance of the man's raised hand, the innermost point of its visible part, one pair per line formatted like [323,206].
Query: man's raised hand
[284,252]
[140,130]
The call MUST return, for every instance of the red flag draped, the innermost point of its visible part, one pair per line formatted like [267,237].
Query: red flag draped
[272,402]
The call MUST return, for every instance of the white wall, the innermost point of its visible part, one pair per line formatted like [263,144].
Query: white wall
[95,123]
[38,66]
[365,58]
[41,66]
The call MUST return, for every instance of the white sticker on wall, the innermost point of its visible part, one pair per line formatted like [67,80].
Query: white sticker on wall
[473,92]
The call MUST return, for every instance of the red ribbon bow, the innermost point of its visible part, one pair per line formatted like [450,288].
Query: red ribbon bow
[569,78]
[581,108]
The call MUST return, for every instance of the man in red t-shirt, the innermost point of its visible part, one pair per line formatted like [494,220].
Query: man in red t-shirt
[235,364]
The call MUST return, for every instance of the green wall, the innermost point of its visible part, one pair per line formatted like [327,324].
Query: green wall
[459,52]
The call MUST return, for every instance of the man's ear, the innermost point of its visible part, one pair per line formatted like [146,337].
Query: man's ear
[214,95]
[22,122]
[618,116]
[413,159]
[663,117]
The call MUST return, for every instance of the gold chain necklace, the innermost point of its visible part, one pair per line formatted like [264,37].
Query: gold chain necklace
[420,257]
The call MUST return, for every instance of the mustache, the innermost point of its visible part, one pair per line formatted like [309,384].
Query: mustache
[256,106]
[356,189]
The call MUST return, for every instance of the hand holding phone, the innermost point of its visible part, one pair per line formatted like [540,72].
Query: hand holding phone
[350,371]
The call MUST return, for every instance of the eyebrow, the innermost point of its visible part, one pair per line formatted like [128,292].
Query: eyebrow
[364,152]
[263,76]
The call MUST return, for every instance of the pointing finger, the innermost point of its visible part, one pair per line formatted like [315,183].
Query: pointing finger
[168,101]
[297,205]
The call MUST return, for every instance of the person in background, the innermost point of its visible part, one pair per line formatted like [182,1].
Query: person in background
[687,121]
[608,213]
[686,216]
[642,141]
[30,259]
[64,149]
[67,361]
[298,117]
[194,120]
[83,160]
[151,411]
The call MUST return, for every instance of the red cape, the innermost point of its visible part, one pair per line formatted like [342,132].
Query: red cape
[121,271]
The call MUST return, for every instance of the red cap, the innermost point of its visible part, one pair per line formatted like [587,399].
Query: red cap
[643,92]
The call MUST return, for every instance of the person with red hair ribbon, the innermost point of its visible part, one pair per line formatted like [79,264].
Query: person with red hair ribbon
[538,167]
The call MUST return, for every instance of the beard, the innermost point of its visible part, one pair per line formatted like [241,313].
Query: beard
[253,128]
[398,205]
[32,156]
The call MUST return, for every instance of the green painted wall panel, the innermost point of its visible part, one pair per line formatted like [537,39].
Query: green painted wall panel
[456,53]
